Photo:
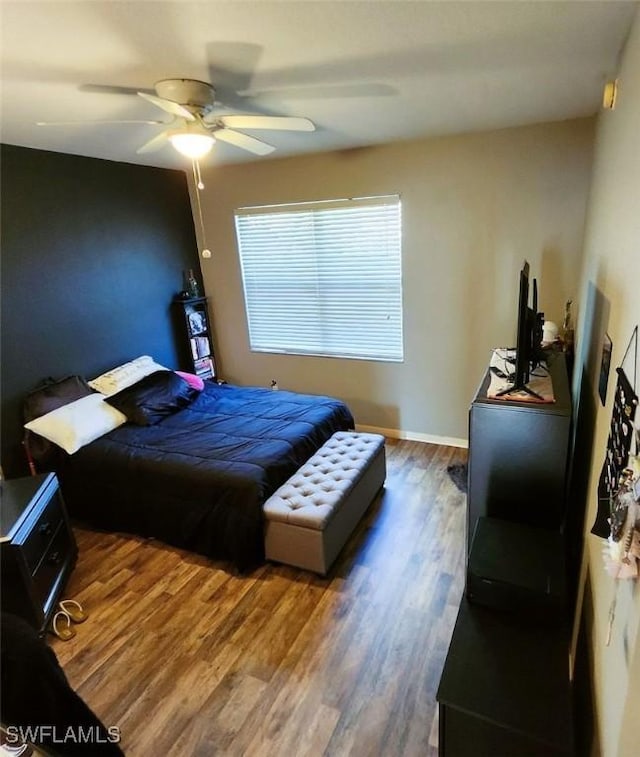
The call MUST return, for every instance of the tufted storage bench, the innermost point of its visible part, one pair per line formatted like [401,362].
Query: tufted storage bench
[310,517]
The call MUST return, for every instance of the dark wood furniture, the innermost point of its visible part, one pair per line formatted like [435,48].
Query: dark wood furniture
[38,548]
[518,456]
[505,687]
[193,316]
[518,568]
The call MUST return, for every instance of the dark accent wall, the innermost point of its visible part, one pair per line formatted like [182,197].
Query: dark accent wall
[92,254]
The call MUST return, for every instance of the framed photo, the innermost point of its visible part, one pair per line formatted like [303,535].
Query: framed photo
[197,322]
[605,365]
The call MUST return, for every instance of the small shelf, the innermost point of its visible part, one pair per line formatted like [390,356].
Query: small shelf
[196,329]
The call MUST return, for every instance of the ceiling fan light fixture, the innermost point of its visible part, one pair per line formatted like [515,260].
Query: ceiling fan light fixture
[193,145]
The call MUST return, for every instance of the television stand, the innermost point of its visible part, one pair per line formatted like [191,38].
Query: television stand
[518,453]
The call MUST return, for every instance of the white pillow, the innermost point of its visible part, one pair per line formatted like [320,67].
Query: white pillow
[125,375]
[78,423]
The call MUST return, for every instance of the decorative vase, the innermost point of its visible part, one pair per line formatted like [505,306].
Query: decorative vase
[190,283]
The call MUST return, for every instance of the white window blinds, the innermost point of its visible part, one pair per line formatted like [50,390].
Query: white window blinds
[324,278]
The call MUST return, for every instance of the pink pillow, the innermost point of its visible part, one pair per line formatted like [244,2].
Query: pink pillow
[194,381]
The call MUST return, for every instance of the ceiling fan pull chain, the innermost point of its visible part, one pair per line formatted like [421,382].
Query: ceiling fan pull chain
[199,185]
[199,182]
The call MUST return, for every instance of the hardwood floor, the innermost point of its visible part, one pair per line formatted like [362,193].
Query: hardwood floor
[188,658]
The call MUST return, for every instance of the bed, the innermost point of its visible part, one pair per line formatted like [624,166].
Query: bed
[198,477]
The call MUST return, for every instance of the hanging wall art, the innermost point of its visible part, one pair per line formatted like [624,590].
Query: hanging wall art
[618,516]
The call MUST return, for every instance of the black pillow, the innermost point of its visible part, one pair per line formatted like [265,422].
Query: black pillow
[50,395]
[153,398]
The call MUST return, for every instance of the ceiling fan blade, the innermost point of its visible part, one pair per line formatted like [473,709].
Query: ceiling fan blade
[244,141]
[113,89]
[155,143]
[174,108]
[286,123]
[91,123]
[329,91]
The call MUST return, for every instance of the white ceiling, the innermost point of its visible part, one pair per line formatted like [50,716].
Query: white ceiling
[365,72]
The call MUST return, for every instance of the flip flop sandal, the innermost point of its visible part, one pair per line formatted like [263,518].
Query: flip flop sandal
[61,626]
[74,610]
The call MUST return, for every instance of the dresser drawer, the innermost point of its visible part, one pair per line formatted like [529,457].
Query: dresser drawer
[52,564]
[39,537]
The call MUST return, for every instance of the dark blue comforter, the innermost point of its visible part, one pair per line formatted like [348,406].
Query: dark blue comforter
[198,478]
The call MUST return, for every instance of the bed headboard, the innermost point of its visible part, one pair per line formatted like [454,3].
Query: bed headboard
[92,254]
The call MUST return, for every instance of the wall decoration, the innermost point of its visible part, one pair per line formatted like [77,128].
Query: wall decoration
[618,516]
[605,365]
[613,474]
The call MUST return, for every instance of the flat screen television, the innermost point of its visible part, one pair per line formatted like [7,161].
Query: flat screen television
[528,339]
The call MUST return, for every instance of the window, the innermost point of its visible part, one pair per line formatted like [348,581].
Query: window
[324,278]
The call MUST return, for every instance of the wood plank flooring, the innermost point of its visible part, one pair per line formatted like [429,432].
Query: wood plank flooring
[189,658]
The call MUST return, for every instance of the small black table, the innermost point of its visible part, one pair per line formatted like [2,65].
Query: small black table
[505,687]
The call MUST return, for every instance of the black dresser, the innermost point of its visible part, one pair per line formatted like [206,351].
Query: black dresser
[518,454]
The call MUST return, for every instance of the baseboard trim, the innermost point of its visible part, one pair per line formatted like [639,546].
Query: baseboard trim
[414,436]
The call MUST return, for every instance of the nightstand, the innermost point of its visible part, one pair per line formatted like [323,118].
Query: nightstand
[37,547]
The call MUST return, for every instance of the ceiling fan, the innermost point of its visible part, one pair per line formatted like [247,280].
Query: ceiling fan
[195,127]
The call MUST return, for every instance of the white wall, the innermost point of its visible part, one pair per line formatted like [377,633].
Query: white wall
[473,208]
[611,279]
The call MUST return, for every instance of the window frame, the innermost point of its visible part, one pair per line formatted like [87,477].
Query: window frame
[386,252]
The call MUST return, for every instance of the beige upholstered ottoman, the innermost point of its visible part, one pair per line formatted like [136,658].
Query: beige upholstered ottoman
[310,517]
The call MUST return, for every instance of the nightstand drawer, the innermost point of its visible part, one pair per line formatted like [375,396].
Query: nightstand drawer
[52,563]
[37,539]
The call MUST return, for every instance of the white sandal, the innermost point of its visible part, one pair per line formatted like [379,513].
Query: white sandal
[61,626]
[74,610]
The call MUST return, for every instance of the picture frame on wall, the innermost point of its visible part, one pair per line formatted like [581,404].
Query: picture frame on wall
[605,365]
